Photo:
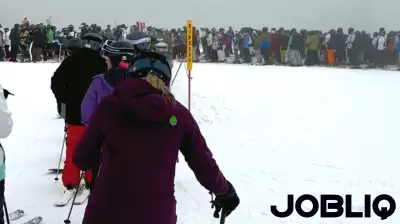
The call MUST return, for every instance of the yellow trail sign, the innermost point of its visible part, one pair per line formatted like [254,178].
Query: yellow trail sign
[189,45]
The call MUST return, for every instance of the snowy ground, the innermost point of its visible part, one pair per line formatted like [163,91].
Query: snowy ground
[273,130]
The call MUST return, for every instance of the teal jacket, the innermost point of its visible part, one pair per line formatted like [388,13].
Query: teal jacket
[2,164]
[6,124]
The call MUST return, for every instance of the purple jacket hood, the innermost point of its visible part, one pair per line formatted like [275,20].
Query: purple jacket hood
[141,102]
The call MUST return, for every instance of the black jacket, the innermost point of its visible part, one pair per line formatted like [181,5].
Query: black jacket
[14,37]
[72,79]
[283,41]
[39,38]
[297,42]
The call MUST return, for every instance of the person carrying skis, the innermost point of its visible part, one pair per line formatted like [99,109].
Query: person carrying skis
[142,127]
[69,85]
[118,55]
[6,125]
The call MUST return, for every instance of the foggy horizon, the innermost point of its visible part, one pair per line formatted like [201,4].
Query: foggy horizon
[366,15]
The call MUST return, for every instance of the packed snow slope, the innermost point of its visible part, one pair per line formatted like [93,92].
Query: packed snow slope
[273,130]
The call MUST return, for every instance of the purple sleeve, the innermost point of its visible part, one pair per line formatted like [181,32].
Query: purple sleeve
[88,150]
[89,103]
[200,159]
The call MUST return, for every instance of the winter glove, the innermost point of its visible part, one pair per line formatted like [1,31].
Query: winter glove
[227,202]
[7,93]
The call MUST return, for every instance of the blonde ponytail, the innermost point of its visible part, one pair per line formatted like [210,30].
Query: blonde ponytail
[158,83]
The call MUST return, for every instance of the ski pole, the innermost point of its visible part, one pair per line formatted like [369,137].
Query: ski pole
[61,154]
[176,73]
[223,216]
[6,211]
[67,221]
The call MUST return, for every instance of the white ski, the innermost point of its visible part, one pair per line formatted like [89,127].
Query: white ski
[65,198]
[82,196]
[36,220]
[17,214]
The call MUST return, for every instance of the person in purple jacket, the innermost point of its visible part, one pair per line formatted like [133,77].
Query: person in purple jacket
[117,54]
[142,127]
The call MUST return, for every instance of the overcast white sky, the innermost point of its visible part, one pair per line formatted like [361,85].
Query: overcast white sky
[309,14]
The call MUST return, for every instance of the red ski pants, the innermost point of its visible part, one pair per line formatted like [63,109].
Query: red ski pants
[71,174]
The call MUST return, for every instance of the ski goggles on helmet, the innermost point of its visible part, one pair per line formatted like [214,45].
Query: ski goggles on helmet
[142,67]
[141,44]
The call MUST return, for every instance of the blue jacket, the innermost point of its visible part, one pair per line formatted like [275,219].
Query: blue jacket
[265,45]
[398,45]
[245,40]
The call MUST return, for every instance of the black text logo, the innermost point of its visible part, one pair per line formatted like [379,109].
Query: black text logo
[337,206]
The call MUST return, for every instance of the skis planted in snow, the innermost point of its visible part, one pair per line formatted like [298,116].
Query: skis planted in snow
[17,214]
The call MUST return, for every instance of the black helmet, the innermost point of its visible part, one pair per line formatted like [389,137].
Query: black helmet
[148,61]
[73,44]
[161,48]
[92,40]
[140,40]
[120,50]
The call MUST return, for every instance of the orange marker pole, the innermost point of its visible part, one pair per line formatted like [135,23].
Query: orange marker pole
[189,52]
[189,88]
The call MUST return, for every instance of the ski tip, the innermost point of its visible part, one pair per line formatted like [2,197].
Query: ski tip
[59,205]
[55,170]
[20,211]
[36,220]
[17,214]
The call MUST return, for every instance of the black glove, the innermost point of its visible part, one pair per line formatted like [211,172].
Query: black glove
[227,202]
[6,93]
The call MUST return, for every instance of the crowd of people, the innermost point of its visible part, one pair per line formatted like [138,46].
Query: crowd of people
[264,46]
[123,123]
[118,101]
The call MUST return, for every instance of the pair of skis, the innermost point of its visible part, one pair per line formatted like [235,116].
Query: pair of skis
[66,197]
[82,195]
[18,214]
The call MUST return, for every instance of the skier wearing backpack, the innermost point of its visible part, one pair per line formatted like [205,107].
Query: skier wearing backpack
[142,127]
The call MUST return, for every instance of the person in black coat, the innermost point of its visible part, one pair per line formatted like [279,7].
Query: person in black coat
[15,42]
[69,85]
[38,43]
[340,46]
